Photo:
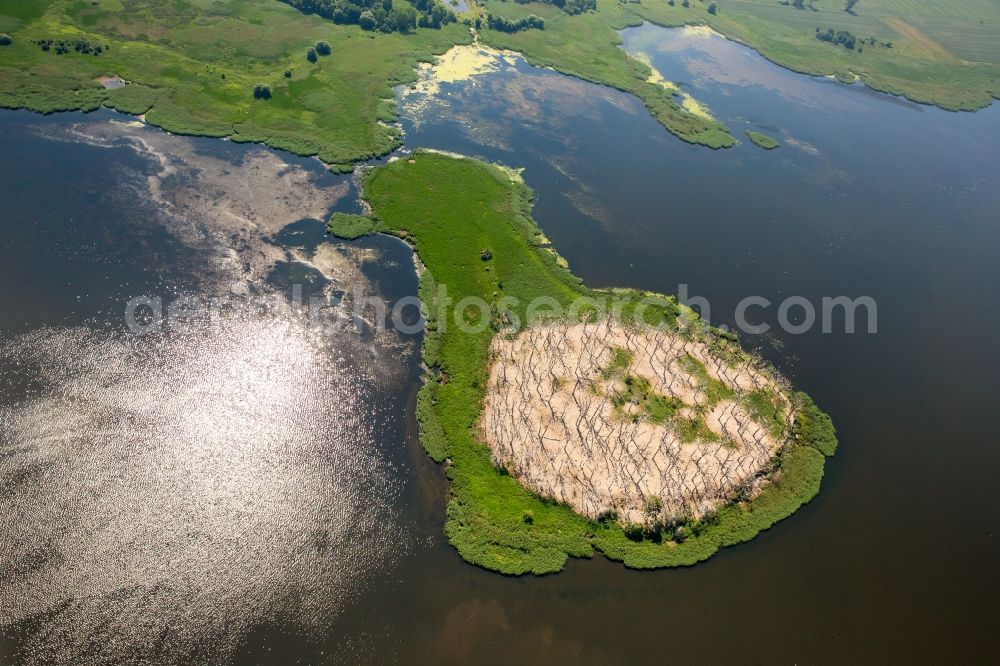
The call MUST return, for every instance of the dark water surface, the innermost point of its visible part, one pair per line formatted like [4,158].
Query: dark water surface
[257,494]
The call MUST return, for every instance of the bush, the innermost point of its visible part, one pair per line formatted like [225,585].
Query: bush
[5,39]
[262,91]
[323,48]
[288,73]
[634,531]
[713,8]
[311,55]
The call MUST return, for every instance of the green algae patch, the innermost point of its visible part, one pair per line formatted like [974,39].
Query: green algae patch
[762,140]
[449,209]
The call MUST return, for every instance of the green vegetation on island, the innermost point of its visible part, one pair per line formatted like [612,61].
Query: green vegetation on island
[449,209]
[762,140]
[349,226]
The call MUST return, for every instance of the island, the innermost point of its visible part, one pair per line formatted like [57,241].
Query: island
[762,140]
[591,444]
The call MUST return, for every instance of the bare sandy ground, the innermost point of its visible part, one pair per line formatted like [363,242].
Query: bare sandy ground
[549,420]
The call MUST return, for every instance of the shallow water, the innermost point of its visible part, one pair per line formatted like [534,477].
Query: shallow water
[314,533]
[164,495]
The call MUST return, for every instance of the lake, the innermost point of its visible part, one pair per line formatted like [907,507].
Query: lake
[252,491]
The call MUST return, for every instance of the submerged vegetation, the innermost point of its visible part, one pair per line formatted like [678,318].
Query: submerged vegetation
[449,209]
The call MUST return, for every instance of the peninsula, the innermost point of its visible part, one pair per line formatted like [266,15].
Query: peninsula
[648,435]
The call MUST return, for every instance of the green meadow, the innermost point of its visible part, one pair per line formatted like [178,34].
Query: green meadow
[471,225]
[193,65]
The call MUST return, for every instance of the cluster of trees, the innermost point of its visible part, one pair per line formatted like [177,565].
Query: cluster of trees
[381,15]
[801,4]
[78,45]
[847,40]
[571,7]
[5,39]
[504,24]
[320,49]
[842,37]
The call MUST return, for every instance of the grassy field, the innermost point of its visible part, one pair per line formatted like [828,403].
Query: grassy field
[587,46]
[193,65]
[945,53]
[451,210]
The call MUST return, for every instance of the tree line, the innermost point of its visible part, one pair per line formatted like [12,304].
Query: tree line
[848,40]
[504,24]
[381,15]
[571,7]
